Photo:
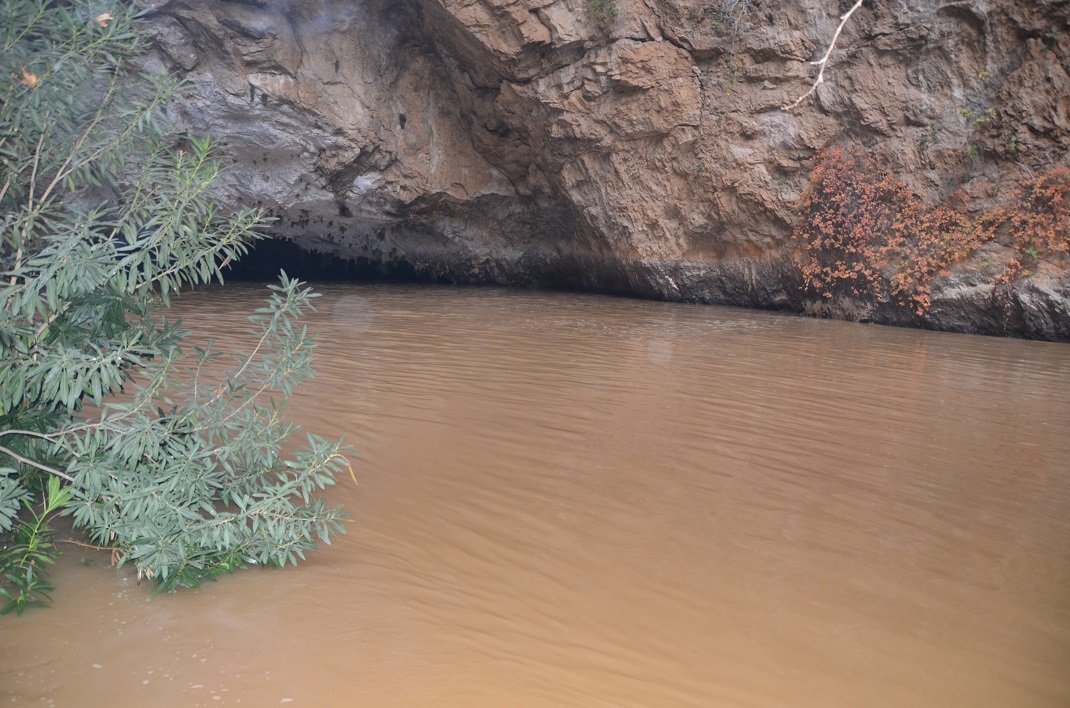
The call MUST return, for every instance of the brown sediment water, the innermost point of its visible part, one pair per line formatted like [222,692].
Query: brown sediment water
[570,500]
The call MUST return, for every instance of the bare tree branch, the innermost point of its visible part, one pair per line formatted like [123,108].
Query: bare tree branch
[824,60]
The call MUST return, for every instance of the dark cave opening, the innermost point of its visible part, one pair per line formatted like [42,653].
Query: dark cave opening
[266,258]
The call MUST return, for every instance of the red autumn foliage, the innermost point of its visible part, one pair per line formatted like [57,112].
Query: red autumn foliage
[1036,224]
[866,235]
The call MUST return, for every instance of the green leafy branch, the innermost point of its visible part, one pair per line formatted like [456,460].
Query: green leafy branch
[107,212]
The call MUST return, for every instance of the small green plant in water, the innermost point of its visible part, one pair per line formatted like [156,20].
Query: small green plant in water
[29,551]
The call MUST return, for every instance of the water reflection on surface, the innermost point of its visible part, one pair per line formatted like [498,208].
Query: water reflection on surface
[571,500]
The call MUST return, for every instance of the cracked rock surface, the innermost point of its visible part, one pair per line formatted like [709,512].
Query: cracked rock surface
[525,142]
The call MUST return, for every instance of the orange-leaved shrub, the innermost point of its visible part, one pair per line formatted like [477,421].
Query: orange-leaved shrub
[1036,224]
[864,234]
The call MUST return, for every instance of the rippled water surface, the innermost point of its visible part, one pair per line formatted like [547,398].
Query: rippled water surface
[570,500]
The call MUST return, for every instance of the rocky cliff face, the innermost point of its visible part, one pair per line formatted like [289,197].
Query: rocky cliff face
[527,141]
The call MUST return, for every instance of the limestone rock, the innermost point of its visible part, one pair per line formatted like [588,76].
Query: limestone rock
[523,141]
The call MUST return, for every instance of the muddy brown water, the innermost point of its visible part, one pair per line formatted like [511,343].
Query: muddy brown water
[571,500]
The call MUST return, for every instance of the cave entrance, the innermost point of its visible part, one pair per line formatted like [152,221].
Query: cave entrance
[267,257]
